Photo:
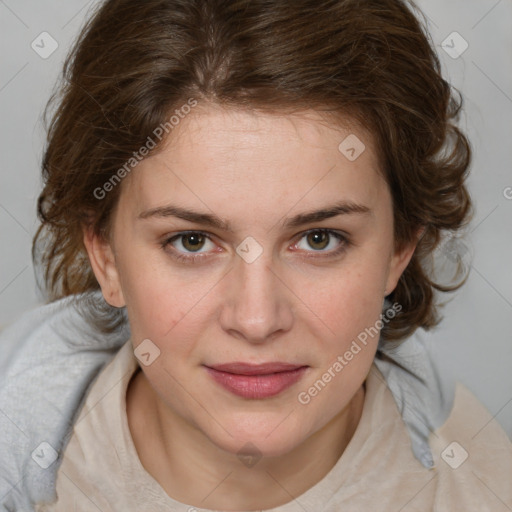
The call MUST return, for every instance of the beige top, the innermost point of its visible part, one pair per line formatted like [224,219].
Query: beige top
[101,470]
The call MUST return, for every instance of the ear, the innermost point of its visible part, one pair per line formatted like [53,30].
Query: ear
[102,258]
[400,260]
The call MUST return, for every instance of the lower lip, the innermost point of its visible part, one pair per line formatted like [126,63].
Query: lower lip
[257,386]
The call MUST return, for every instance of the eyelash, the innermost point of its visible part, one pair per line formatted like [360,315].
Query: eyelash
[345,243]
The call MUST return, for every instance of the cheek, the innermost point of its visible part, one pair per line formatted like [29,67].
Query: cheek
[351,299]
[158,295]
[351,307]
[160,307]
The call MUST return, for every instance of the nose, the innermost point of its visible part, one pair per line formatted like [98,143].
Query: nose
[257,304]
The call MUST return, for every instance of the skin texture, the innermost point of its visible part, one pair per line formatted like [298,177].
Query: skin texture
[292,304]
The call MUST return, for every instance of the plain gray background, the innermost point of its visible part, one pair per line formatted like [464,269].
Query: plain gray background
[475,339]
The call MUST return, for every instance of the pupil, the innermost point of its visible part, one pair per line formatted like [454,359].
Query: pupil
[196,241]
[318,237]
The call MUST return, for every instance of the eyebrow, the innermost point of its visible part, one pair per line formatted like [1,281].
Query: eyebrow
[213,221]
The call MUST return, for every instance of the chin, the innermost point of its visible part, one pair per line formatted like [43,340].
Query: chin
[260,442]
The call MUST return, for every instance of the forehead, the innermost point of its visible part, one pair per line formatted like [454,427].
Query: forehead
[220,158]
[289,134]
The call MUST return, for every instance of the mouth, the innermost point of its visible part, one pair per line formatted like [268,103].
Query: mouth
[256,381]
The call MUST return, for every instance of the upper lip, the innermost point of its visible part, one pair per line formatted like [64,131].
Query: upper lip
[240,368]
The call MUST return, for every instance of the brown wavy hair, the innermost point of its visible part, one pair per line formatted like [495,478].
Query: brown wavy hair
[135,62]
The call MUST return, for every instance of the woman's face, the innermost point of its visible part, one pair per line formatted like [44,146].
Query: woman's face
[257,281]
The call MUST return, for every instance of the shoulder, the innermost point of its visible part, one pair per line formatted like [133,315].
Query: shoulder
[473,457]
[48,359]
[103,461]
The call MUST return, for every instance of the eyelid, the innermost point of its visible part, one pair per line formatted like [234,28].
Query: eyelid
[338,232]
[192,257]
[167,241]
[342,237]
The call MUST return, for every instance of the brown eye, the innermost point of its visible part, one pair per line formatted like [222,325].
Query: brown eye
[188,245]
[192,241]
[325,242]
[318,240]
